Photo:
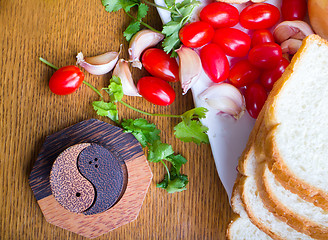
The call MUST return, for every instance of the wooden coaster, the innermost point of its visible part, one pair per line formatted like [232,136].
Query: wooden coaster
[92,143]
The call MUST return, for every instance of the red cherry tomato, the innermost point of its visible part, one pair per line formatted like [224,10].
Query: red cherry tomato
[196,34]
[293,9]
[269,77]
[156,90]
[265,55]
[259,16]
[232,41]
[220,14]
[261,36]
[255,96]
[159,64]
[215,62]
[66,80]
[243,73]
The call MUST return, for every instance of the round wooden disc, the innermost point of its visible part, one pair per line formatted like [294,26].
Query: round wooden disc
[73,191]
[102,168]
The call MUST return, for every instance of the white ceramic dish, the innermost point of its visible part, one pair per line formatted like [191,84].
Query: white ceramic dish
[227,136]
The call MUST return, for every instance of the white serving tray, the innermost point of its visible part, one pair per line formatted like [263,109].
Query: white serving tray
[227,136]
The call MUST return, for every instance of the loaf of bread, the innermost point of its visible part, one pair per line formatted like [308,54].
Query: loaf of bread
[282,187]
[294,134]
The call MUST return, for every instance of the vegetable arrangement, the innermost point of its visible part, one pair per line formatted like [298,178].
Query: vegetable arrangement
[208,44]
[259,60]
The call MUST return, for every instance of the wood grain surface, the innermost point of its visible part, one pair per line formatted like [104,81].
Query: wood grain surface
[57,30]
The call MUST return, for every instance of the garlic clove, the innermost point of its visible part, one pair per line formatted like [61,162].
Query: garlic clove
[101,59]
[98,65]
[225,98]
[291,46]
[291,29]
[190,67]
[141,41]
[122,71]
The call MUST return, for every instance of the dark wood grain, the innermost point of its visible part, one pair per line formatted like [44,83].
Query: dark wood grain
[57,30]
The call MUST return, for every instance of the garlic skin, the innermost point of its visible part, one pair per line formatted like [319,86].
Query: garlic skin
[291,29]
[98,65]
[122,71]
[225,98]
[140,42]
[190,67]
[291,46]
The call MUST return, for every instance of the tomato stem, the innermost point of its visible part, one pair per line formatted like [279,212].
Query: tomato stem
[94,89]
[149,114]
[48,63]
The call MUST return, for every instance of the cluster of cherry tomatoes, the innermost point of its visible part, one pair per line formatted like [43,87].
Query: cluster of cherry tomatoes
[259,59]
[260,62]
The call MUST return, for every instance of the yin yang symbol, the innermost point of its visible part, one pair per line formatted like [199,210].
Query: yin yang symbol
[87,178]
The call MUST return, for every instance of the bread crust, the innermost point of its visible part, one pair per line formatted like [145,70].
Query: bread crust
[273,204]
[265,144]
[251,214]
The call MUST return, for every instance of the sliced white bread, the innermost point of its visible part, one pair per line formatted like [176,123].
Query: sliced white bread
[257,211]
[246,198]
[290,208]
[293,138]
[241,228]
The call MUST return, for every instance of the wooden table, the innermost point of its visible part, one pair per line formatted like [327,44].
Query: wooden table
[57,30]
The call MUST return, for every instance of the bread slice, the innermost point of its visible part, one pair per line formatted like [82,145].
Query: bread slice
[241,228]
[294,135]
[258,213]
[290,208]
[246,199]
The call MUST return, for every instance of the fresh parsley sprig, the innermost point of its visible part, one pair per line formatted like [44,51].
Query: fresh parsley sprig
[190,129]
[180,15]
[126,5]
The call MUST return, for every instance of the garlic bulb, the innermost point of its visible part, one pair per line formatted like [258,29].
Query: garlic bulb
[141,41]
[122,71]
[225,98]
[190,67]
[98,65]
[291,29]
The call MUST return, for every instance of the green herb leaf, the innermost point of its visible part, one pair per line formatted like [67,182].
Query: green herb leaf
[177,161]
[176,183]
[112,5]
[172,40]
[144,132]
[106,109]
[115,5]
[195,113]
[115,89]
[132,29]
[158,151]
[195,132]
[169,3]
[128,4]
[142,11]
[179,17]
